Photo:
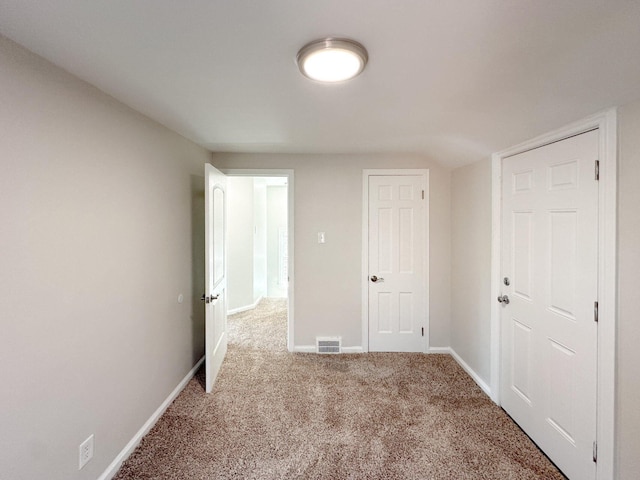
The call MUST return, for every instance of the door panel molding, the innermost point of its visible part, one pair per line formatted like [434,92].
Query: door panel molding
[606,123]
[366,173]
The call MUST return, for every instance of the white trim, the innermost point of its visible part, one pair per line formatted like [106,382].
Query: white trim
[113,468]
[439,350]
[364,294]
[312,349]
[289,173]
[476,378]
[496,249]
[351,350]
[366,173]
[304,349]
[606,122]
[233,311]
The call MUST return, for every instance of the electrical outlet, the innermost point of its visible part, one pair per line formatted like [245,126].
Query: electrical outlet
[86,452]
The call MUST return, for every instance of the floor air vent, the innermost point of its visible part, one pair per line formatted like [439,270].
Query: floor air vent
[328,345]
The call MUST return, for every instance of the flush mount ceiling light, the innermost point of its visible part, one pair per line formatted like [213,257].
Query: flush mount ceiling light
[332,60]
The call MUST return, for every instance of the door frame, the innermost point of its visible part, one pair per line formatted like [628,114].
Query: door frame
[606,122]
[288,173]
[366,173]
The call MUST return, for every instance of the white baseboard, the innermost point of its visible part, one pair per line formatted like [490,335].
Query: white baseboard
[312,349]
[445,350]
[481,383]
[112,469]
[245,308]
[357,349]
[304,348]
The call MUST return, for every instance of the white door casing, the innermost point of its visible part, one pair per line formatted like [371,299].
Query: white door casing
[549,334]
[215,273]
[396,274]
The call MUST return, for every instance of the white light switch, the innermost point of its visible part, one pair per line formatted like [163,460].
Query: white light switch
[320,237]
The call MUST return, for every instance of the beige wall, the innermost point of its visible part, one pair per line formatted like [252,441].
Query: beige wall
[628,371]
[240,222]
[328,277]
[260,238]
[471,265]
[276,219]
[101,229]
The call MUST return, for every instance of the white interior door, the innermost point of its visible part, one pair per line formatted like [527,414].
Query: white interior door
[215,272]
[397,286]
[549,333]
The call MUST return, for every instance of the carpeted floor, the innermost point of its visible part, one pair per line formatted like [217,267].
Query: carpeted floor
[278,415]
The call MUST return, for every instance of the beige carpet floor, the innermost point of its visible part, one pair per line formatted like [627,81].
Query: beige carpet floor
[278,415]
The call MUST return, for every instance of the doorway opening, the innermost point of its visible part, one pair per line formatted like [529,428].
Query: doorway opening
[260,241]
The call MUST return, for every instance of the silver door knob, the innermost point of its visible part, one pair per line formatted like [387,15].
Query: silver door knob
[209,299]
[504,299]
[375,279]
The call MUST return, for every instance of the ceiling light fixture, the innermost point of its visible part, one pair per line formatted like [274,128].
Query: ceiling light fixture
[332,60]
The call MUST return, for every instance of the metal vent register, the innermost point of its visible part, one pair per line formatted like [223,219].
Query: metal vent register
[328,345]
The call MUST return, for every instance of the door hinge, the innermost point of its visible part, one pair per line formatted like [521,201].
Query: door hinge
[595,452]
[595,311]
[423,331]
[423,194]
[597,170]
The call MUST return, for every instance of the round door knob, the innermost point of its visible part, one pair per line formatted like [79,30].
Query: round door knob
[374,278]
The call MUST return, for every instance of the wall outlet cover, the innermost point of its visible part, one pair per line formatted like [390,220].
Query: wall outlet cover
[86,452]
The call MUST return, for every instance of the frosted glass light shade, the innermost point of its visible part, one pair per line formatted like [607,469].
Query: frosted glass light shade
[332,59]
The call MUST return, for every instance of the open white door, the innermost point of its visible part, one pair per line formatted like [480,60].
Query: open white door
[215,295]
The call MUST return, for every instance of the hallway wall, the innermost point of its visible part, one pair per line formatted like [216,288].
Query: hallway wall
[102,229]
[628,358]
[276,219]
[471,265]
[328,277]
[240,228]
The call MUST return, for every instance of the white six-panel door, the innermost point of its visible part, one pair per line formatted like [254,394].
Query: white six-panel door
[549,334]
[215,273]
[397,287]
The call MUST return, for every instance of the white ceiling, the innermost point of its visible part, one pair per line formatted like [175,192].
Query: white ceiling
[455,80]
